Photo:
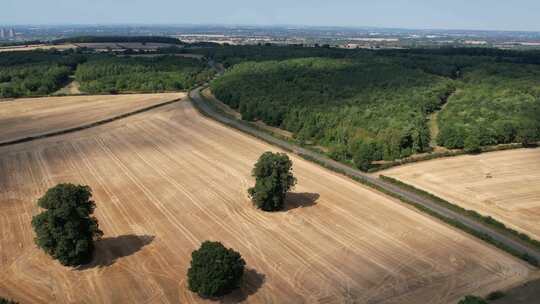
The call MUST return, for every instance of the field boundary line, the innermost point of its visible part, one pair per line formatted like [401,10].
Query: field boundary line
[487,220]
[89,125]
[507,243]
[450,153]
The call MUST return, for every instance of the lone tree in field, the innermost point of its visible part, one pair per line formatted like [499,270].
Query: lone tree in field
[273,178]
[66,230]
[215,270]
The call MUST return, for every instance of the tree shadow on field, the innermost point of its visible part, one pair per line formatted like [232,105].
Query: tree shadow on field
[300,200]
[251,283]
[110,249]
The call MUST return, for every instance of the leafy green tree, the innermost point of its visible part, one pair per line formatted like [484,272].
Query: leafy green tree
[495,295]
[66,230]
[273,178]
[472,143]
[215,270]
[451,137]
[35,73]
[339,153]
[472,300]
[105,74]
[367,152]
[528,134]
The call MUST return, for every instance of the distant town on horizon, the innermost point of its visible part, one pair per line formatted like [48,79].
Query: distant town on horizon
[349,37]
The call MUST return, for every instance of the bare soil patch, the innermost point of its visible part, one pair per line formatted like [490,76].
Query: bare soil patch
[72,88]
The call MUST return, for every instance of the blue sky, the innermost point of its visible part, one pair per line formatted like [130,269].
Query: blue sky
[448,14]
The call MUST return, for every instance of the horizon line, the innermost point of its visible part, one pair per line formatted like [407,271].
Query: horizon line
[351,27]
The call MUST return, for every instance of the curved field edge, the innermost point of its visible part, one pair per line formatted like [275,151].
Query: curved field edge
[529,256]
[448,154]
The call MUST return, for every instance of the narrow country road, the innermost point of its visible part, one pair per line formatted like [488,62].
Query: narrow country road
[515,244]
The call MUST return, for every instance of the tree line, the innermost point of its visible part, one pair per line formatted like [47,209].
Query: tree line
[118,39]
[496,103]
[35,73]
[110,74]
[365,106]
[40,73]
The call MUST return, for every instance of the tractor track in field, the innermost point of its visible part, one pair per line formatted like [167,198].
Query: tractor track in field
[206,109]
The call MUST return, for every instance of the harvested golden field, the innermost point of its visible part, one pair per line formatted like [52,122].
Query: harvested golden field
[105,46]
[504,184]
[33,47]
[25,117]
[168,179]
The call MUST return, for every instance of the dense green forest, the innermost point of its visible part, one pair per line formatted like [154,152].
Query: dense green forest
[360,105]
[109,74]
[230,55]
[35,73]
[344,104]
[495,103]
[41,73]
[374,105]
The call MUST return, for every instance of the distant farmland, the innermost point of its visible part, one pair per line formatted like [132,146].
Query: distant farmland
[504,185]
[168,179]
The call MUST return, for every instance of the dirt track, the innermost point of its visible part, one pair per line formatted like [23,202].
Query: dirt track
[34,116]
[504,185]
[168,179]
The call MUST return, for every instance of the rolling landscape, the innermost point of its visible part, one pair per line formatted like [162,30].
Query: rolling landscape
[164,183]
[268,163]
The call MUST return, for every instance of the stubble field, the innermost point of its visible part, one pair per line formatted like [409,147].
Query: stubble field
[504,185]
[34,116]
[33,47]
[168,179]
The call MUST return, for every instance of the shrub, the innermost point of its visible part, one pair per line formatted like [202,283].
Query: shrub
[472,143]
[273,178]
[215,270]
[528,136]
[365,154]
[472,300]
[495,295]
[66,230]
